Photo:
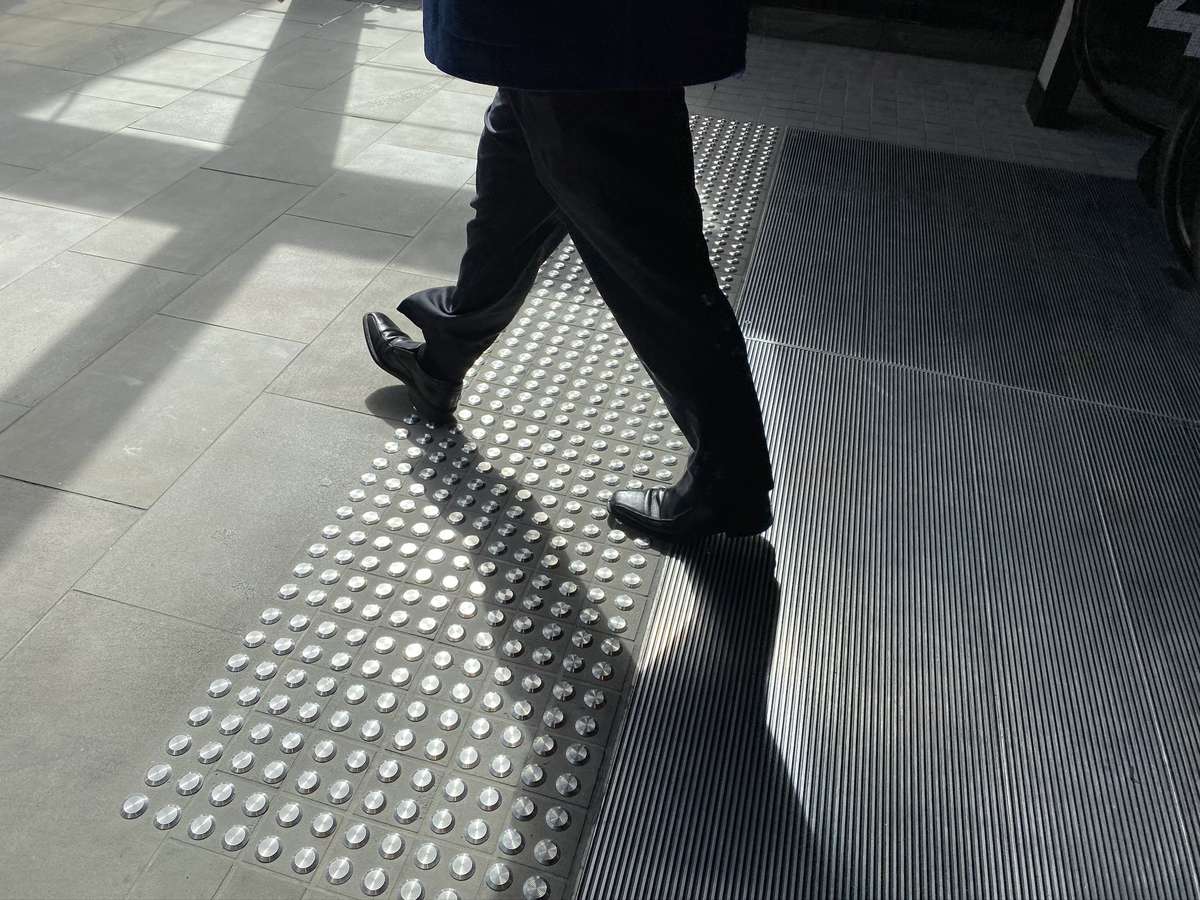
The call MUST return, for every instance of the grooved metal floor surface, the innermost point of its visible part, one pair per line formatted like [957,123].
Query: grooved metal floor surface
[963,664]
[423,710]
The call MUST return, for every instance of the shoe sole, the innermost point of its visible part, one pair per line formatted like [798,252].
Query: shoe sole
[438,417]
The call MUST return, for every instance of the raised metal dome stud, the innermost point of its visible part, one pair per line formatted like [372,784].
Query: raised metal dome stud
[388,771]
[523,808]
[157,775]
[134,805]
[339,791]
[498,876]
[426,856]
[462,867]
[324,751]
[339,870]
[511,841]
[441,821]
[221,794]
[305,860]
[189,784]
[374,882]
[235,837]
[179,745]
[546,852]
[422,780]
[411,890]
[289,814]
[406,811]
[323,824]
[357,835]
[256,804]
[268,849]
[391,846]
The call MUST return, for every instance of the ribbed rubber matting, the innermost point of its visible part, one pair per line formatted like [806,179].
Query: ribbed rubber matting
[964,662]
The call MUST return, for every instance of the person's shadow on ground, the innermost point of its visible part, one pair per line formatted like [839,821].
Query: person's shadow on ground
[701,803]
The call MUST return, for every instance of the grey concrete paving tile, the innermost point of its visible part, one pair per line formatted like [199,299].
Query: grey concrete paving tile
[184,16]
[390,188]
[127,5]
[438,247]
[407,53]
[49,540]
[12,174]
[246,37]
[225,110]
[95,686]
[336,369]
[308,63]
[181,872]
[447,122]
[114,174]
[63,11]
[62,315]
[126,426]
[10,412]
[28,31]
[290,280]
[19,83]
[301,146]
[160,78]
[232,524]
[469,87]
[315,12]
[351,29]
[106,48]
[377,92]
[248,883]
[30,235]
[195,223]
[52,128]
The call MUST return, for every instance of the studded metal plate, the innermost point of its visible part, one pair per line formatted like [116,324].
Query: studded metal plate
[422,710]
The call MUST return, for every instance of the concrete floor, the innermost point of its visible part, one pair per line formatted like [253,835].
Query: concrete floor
[198,200]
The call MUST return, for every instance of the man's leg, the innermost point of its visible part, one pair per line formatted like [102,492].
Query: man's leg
[516,226]
[619,167]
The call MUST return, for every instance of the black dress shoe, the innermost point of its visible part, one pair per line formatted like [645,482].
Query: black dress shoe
[676,514]
[396,353]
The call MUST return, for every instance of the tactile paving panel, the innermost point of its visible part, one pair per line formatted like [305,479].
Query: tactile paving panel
[423,709]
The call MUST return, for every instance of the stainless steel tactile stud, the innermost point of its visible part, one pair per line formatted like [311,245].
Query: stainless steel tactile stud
[243,761]
[557,818]
[406,811]
[546,852]
[374,802]
[305,860]
[411,890]
[189,783]
[323,824]
[391,846]
[462,867]
[221,794]
[268,849]
[339,870]
[523,808]
[356,835]
[288,815]
[476,831]
[489,799]
[235,837]
[374,882]
[535,888]
[135,805]
[158,774]
[426,856]
[511,841]
[498,876]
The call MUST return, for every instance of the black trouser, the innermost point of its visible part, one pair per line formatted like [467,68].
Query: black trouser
[615,171]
